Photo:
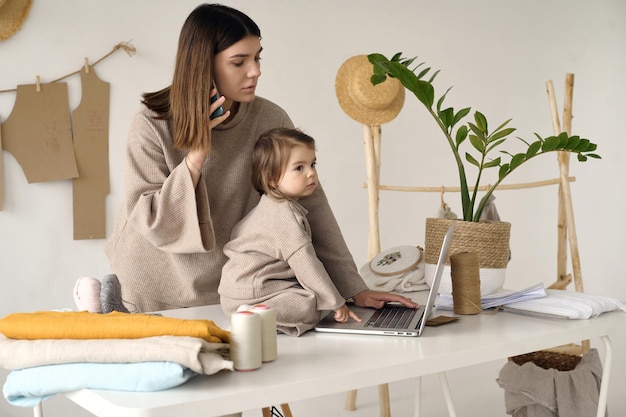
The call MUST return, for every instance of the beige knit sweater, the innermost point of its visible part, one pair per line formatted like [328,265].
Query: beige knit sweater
[166,246]
[272,261]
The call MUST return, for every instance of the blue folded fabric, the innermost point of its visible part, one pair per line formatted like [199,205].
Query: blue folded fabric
[30,386]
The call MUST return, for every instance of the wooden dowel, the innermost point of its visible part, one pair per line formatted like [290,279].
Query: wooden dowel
[554,111]
[561,255]
[371,138]
[567,196]
[534,184]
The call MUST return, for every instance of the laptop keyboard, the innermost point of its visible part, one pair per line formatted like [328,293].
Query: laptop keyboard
[391,317]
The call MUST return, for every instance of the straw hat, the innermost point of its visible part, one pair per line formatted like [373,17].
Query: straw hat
[360,99]
[12,15]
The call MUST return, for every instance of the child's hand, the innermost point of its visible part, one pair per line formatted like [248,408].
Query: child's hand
[343,314]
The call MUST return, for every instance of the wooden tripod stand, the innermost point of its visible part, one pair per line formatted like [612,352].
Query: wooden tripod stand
[566,228]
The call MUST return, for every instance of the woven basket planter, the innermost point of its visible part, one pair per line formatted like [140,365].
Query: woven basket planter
[490,240]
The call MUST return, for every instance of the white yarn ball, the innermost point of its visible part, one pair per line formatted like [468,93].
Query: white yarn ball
[87,294]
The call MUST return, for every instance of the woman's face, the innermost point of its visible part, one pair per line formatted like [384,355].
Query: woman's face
[237,70]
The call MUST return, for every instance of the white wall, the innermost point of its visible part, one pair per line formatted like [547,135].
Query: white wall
[497,55]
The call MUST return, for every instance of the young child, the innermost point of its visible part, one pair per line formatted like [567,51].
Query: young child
[271,259]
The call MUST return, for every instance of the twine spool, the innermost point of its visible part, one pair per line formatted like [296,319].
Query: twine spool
[245,340]
[87,295]
[465,274]
[269,342]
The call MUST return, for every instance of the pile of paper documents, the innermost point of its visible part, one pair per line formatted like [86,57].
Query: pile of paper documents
[500,298]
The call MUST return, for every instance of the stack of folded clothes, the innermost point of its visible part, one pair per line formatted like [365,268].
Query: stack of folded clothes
[50,352]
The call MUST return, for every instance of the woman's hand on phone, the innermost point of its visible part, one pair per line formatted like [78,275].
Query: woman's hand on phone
[217,115]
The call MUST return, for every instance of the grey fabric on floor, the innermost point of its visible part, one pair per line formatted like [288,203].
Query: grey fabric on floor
[531,391]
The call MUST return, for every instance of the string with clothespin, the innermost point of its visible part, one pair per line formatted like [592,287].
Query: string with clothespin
[445,212]
[125,46]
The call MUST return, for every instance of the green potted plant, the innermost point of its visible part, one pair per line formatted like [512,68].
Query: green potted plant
[483,141]
[458,129]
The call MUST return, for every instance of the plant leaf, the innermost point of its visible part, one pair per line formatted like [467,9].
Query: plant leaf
[493,163]
[506,122]
[477,143]
[447,116]
[422,73]
[494,145]
[471,159]
[461,135]
[517,160]
[377,79]
[501,134]
[481,121]
[461,114]
[432,78]
[533,149]
[504,170]
[476,130]
[582,145]
[442,98]
[550,144]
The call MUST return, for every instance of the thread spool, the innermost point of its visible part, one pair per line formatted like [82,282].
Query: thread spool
[465,275]
[245,340]
[269,342]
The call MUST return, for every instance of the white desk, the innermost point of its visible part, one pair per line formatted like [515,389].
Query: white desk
[317,364]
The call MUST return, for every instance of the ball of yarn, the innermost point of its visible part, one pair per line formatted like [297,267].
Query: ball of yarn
[111,295]
[87,294]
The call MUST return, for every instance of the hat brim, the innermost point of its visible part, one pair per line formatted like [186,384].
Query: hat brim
[13,13]
[356,110]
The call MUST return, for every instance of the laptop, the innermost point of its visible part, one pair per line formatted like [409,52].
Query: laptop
[393,319]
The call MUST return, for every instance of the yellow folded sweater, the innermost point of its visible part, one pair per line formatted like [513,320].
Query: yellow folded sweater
[114,325]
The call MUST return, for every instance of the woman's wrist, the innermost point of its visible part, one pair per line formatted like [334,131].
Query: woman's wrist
[191,165]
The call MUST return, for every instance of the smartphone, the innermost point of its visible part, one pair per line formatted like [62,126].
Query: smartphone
[219,111]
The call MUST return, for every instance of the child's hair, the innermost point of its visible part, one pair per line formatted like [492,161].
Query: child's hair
[271,155]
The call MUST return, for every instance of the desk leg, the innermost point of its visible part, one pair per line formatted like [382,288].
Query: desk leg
[606,372]
[351,400]
[383,399]
[418,396]
[286,410]
[443,379]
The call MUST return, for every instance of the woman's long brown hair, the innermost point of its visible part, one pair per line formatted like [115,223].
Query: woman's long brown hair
[208,30]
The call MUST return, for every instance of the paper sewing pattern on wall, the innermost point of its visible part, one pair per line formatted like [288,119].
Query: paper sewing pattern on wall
[50,144]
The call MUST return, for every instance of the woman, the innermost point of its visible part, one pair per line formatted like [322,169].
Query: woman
[188,176]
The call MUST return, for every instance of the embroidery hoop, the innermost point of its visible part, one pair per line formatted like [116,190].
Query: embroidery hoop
[413,255]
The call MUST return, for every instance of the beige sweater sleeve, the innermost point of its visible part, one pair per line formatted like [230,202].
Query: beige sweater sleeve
[164,206]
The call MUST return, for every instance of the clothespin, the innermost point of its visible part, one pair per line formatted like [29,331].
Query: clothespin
[443,190]
[38,85]
[86,65]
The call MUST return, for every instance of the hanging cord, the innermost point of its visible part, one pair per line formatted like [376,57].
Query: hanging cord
[125,46]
